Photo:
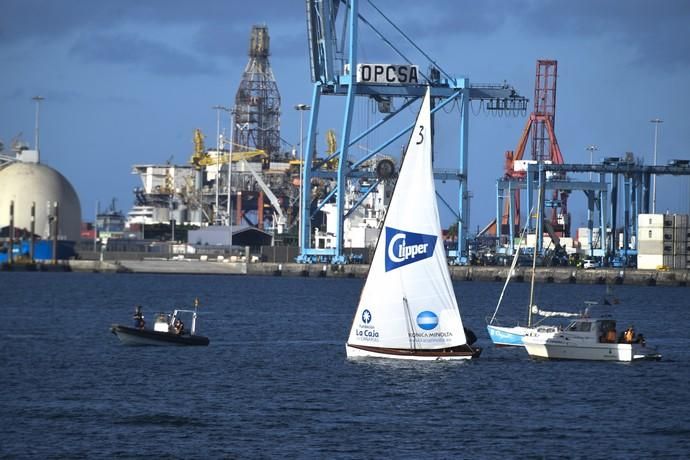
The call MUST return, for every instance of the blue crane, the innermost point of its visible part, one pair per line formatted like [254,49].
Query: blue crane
[333,31]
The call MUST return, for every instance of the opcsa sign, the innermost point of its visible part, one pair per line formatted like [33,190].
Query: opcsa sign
[388,74]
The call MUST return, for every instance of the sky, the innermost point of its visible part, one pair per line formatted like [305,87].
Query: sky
[126,82]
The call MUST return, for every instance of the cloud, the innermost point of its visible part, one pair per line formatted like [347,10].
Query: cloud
[36,20]
[655,32]
[131,49]
[101,31]
[22,20]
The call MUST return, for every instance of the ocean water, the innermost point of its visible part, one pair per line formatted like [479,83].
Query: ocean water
[274,382]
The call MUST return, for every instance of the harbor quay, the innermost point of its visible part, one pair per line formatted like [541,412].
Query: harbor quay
[559,275]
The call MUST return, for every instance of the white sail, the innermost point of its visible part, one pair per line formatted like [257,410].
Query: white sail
[408,300]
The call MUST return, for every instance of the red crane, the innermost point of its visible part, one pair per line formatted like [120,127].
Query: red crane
[540,128]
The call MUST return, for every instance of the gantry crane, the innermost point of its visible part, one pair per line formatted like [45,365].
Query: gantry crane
[540,127]
[333,28]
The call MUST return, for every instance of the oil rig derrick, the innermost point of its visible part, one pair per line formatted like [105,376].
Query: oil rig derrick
[540,129]
[256,124]
[333,34]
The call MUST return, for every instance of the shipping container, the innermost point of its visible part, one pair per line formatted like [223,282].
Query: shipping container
[680,262]
[680,220]
[582,233]
[680,234]
[650,220]
[43,250]
[650,247]
[650,234]
[567,242]
[649,261]
[668,261]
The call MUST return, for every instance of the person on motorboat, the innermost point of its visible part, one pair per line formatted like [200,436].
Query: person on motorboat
[178,326]
[611,336]
[139,318]
[628,335]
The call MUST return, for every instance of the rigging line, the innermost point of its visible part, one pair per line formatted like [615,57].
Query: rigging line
[512,269]
[411,42]
[410,325]
[452,107]
[472,105]
[343,31]
[371,111]
[411,336]
[388,42]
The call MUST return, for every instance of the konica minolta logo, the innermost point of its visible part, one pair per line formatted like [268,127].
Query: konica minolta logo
[404,248]
[427,320]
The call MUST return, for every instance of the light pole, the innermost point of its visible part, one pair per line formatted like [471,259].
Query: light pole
[240,128]
[301,108]
[590,221]
[591,149]
[218,108]
[656,122]
[229,203]
[95,226]
[38,100]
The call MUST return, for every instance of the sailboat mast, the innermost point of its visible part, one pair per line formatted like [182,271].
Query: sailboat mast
[537,228]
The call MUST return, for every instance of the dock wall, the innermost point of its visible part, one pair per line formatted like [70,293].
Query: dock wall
[522,274]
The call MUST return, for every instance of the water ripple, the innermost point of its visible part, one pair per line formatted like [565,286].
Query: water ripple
[274,383]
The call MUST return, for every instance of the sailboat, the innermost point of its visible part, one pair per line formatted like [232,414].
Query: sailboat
[407,308]
[512,336]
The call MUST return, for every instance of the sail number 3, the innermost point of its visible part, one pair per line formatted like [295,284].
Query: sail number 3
[421,134]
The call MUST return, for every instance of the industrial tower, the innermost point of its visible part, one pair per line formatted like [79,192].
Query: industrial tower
[256,124]
[337,71]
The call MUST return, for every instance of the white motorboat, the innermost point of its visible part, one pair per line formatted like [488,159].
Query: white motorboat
[591,339]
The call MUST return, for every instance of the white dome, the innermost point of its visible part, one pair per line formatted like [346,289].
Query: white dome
[27,183]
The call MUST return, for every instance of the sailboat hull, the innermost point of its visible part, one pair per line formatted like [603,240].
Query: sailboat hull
[449,354]
[507,336]
[513,336]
